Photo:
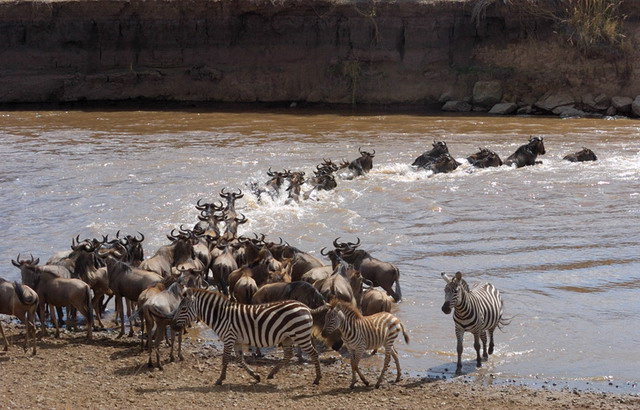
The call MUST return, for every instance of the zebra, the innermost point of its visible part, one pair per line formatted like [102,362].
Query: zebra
[360,333]
[477,310]
[287,323]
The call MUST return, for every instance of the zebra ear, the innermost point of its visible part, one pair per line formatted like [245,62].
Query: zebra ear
[458,276]
[445,277]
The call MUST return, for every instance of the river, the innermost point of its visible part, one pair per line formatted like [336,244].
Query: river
[560,240]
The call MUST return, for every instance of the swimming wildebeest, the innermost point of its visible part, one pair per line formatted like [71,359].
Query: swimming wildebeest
[484,158]
[526,154]
[583,155]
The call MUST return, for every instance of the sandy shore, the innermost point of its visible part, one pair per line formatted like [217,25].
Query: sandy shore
[112,373]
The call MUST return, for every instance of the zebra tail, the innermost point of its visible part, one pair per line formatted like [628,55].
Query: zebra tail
[404,333]
[505,321]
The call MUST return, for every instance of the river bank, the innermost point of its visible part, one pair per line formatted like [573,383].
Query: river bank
[421,53]
[110,373]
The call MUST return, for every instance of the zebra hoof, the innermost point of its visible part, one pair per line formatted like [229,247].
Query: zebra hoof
[377,385]
[219,382]
[258,378]
[353,385]
[316,381]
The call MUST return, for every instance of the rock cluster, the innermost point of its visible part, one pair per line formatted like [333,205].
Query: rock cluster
[488,96]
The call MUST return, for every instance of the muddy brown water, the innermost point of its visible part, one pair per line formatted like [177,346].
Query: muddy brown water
[560,240]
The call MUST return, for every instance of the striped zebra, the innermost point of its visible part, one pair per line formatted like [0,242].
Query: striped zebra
[287,323]
[360,333]
[477,310]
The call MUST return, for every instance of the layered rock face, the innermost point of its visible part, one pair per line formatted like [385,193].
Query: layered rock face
[314,51]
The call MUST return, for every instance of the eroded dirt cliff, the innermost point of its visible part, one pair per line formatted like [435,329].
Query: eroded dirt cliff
[409,52]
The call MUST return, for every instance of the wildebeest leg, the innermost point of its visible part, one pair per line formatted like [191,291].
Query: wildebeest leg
[150,343]
[60,315]
[460,338]
[241,362]
[54,319]
[491,341]
[288,354]
[31,327]
[4,338]
[129,308]
[120,310]
[355,360]
[483,337]
[258,352]
[476,345]
[42,316]
[96,303]
[158,333]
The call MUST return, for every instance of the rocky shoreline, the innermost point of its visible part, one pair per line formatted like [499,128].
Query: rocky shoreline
[109,373]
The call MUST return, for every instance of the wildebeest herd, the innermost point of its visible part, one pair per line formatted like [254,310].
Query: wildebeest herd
[251,290]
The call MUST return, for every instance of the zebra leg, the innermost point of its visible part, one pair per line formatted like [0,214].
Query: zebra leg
[242,363]
[180,356]
[491,341]
[483,337]
[476,345]
[307,347]
[355,360]
[459,348]
[226,356]
[385,366]
[288,354]
[394,354]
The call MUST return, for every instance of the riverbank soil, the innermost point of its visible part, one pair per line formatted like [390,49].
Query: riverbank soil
[107,372]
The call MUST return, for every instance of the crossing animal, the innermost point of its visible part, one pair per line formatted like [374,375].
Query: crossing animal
[477,310]
[285,323]
[526,154]
[360,333]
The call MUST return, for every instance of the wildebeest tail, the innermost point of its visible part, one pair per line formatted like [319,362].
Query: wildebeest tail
[89,307]
[25,299]
[398,290]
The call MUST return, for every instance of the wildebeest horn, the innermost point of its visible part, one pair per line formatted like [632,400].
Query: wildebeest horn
[36,261]
[16,264]
[183,230]
[200,207]
[335,243]
[224,194]
[105,238]
[203,218]
[354,245]
[238,195]
[141,237]
[118,234]
[270,172]
[373,153]
[241,220]
[361,151]
[322,251]
[77,239]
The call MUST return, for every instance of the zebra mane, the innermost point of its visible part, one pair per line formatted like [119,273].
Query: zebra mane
[345,307]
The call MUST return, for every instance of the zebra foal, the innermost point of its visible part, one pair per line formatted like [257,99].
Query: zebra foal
[360,333]
[477,310]
[286,323]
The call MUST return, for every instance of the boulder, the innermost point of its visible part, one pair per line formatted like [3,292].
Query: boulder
[567,111]
[456,106]
[635,106]
[503,109]
[551,101]
[487,93]
[591,103]
[622,104]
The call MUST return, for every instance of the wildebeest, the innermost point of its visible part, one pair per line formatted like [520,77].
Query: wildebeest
[126,281]
[439,148]
[583,155]
[301,291]
[484,158]
[383,274]
[362,165]
[22,302]
[526,154]
[375,301]
[443,164]
[222,266]
[54,290]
